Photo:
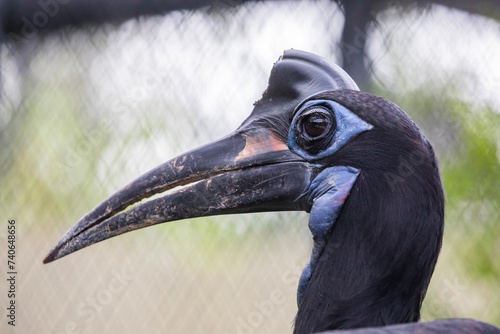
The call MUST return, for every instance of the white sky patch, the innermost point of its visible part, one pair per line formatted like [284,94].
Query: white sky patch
[438,48]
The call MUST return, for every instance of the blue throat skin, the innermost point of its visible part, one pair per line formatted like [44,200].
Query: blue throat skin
[328,191]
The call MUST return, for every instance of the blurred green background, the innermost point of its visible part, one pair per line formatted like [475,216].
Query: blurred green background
[84,111]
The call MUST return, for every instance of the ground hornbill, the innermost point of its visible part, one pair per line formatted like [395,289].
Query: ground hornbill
[356,162]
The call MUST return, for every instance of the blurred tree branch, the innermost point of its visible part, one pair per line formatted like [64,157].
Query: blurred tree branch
[360,14]
[46,15]
[23,20]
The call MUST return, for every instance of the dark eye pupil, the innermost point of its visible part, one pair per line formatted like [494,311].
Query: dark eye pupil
[315,125]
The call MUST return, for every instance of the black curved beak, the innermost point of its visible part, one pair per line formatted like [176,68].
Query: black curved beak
[248,171]
[251,170]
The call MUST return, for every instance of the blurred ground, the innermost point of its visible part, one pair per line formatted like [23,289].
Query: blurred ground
[83,112]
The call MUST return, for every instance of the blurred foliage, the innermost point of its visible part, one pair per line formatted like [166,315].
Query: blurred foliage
[77,125]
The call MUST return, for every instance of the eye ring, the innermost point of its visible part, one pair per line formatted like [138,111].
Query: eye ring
[343,126]
[315,123]
[313,128]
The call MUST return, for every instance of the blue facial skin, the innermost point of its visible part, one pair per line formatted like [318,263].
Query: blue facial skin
[348,125]
[329,189]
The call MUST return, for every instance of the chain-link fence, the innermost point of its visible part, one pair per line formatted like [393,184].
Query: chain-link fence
[84,111]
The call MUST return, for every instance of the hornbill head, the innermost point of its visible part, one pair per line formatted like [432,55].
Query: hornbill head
[313,142]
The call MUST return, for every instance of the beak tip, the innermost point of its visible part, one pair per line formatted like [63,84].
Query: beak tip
[57,252]
[68,244]
[52,256]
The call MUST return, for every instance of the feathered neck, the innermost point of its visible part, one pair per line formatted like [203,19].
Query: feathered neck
[381,254]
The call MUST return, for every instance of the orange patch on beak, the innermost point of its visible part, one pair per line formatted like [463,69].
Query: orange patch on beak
[261,144]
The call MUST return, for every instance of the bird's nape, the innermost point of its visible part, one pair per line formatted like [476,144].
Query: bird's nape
[313,142]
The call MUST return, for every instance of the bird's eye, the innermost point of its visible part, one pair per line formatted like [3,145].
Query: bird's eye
[314,128]
[314,125]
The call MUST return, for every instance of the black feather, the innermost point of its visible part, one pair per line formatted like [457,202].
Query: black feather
[462,326]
